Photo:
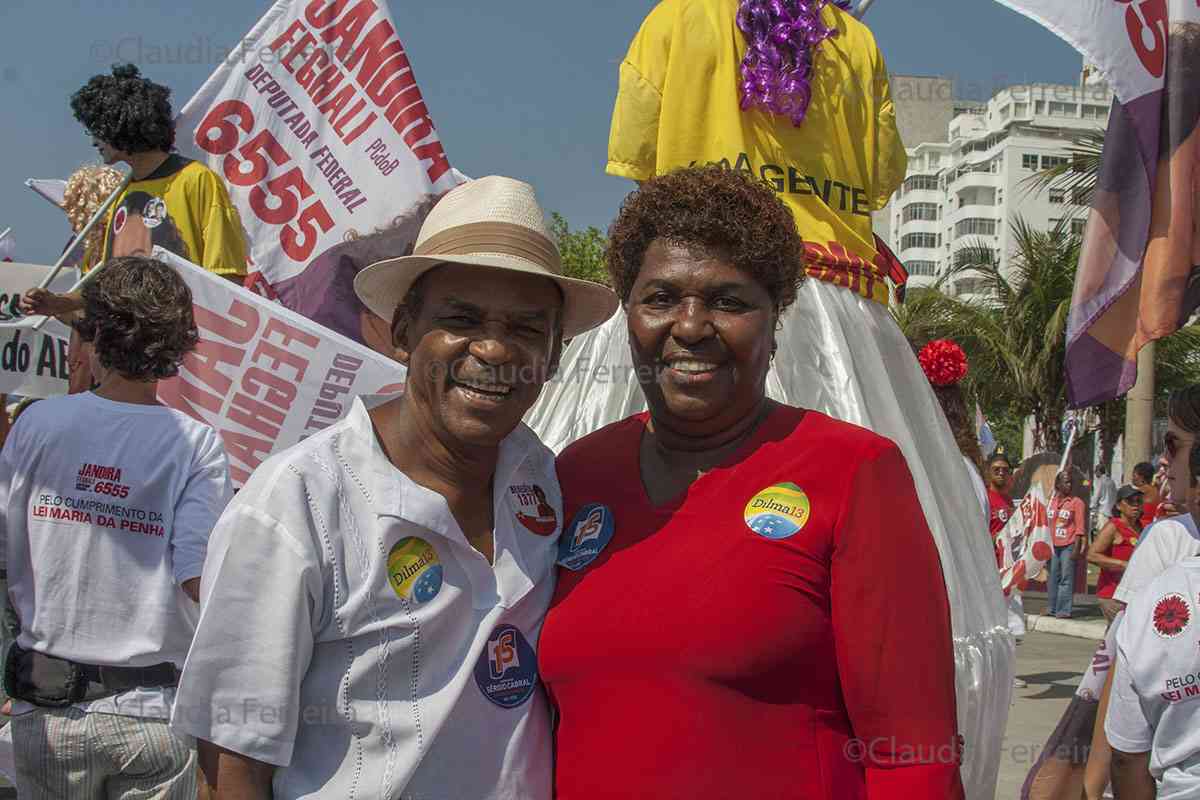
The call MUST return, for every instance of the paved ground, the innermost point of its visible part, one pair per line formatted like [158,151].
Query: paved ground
[1052,666]
[1083,606]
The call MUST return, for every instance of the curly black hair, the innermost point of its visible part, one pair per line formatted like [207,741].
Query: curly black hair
[723,213]
[126,111]
[137,313]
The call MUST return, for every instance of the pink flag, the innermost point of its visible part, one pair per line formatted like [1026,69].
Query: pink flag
[1139,272]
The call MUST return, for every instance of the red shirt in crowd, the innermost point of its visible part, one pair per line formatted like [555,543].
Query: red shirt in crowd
[1001,506]
[779,631]
[1121,550]
[1149,513]
[1068,516]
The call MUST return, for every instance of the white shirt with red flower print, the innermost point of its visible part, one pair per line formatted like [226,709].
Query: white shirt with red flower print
[1155,702]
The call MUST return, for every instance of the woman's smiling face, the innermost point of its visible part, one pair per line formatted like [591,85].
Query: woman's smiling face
[702,334]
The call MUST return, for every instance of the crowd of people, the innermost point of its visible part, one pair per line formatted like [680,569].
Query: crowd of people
[424,601]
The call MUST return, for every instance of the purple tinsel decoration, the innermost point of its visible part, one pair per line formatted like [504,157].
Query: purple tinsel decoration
[782,36]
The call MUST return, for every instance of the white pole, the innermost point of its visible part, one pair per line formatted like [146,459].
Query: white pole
[4,235]
[84,278]
[100,212]
[1073,422]
[861,11]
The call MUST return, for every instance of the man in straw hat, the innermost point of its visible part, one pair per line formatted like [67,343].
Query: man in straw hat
[373,595]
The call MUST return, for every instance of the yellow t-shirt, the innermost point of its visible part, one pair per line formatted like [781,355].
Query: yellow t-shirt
[184,207]
[678,105]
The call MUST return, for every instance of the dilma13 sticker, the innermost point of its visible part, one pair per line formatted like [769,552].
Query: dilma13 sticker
[414,570]
[506,671]
[586,537]
[778,511]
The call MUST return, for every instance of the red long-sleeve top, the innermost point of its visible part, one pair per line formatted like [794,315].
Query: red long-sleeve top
[781,631]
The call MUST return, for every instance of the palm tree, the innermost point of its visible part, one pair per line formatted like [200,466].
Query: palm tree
[1015,334]
[1079,176]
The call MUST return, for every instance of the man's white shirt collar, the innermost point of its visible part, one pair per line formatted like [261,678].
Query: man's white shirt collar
[396,495]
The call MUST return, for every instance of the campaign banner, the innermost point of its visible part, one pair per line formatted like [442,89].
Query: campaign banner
[32,363]
[263,376]
[1025,541]
[318,126]
[1139,270]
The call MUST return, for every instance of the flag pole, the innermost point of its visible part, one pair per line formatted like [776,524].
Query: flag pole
[58,265]
[862,8]
[84,278]
[4,235]
[1139,412]
[1073,423]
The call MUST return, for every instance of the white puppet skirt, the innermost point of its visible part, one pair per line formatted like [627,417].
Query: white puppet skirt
[843,355]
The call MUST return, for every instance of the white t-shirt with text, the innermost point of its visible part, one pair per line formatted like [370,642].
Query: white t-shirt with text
[1155,700]
[106,509]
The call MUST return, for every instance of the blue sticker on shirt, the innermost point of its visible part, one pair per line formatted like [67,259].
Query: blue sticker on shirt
[586,537]
[507,669]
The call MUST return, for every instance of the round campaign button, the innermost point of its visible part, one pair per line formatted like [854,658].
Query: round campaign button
[506,671]
[414,570]
[586,537]
[778,511]
[1172,615]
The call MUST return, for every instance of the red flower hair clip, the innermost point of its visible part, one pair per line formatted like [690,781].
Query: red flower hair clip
[943,361]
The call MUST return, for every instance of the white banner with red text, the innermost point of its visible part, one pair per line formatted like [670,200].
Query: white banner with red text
[317,124]
[32,363]
[263,376]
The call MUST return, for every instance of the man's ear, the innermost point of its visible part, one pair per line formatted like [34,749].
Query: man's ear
[401,349]
[556,350]
[556,357]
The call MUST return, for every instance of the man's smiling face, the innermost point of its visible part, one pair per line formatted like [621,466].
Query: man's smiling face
[478,350]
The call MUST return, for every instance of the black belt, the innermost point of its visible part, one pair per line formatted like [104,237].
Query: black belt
[122,679]
[52,682]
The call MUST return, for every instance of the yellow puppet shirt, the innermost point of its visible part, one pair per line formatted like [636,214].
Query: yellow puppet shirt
[183,207]
[678,106]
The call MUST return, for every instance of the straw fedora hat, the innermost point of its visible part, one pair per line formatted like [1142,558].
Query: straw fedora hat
[490,222]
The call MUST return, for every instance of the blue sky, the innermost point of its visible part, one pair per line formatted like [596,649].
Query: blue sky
[522,89]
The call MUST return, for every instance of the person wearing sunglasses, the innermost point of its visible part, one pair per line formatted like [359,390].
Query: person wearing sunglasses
[999,476]
[1114,547]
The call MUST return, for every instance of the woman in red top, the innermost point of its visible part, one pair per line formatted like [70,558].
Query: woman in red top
[1113,547]
[750,602]
[1142,478]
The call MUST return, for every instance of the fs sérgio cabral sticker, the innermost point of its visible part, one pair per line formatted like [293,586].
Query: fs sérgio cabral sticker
[586,537]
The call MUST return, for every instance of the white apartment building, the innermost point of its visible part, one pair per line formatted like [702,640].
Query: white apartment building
[966,191]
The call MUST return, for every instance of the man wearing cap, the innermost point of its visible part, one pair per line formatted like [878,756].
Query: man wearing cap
[373,597]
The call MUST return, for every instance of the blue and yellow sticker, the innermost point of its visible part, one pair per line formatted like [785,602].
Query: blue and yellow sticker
[778,511]
[414,570]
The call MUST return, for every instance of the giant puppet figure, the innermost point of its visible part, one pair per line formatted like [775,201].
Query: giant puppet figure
[796,93]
